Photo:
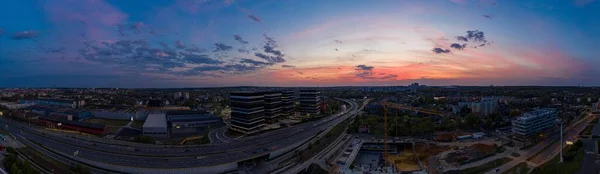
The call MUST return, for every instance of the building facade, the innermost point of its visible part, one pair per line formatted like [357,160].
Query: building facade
[288,100]
[272,104]
[310,103]
[531,123]
[156,126]
[247,112]
[485,107]
[191,119]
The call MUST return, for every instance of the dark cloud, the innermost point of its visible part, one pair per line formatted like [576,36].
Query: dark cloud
[272,50]
[240,39]
[337,41]
[462,38]
[243,50]
[288,66]
[440,50]
[458,46]
[364,67]
[222,47]
[24,35]
[179,44]
[476,35]
[487,16]
[255,18]
[200,59]
[271,59]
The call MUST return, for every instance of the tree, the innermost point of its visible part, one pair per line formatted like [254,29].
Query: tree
[81,169]
[489,123]
[472,119]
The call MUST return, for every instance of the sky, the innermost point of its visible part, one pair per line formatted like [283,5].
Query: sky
[212,43]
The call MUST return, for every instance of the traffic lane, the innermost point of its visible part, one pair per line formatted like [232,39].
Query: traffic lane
[154,162]
[590,158]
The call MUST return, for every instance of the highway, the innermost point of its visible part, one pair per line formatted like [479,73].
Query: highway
[185,157]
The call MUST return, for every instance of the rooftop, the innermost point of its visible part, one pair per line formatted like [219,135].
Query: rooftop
[156,120]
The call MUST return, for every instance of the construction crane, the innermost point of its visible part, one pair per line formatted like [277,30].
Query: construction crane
[398,106]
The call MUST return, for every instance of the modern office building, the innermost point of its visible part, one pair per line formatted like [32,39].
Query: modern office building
[156,126]
[247,111]
[272,103]
[288,99]
[191,119]
[534,122]
[310,102]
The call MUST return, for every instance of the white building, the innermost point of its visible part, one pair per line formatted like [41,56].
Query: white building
[534,122]
[156,126]
[485,107]
[186,95]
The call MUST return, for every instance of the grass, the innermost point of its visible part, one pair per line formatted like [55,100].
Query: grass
[137,124]
[588,130]
[45,161]
[567,167]
[322,143]
[521,168]
[539,152]
[108,122]
[485,167]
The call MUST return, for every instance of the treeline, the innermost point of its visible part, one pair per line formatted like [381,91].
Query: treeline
[14,165]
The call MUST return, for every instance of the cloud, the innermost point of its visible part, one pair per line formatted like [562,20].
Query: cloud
[271,59]
[57,50]
[179,44]
[476,35]
[288,66]
[255,18]
[222,47]
[25,35]
[255,63]
[458,46]
[440,50]
[337,41]
[364,67]
[240,39]
[1,31]
[487,16]
[200,59]
[243,50]
[462,38]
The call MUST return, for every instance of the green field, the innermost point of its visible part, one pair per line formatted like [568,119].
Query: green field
[137,124]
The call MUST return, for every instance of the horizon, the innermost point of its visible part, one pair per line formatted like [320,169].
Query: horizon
[224,43]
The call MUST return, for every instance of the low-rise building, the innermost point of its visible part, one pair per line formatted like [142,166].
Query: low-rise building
[192,119]
[531,123]
[156,126]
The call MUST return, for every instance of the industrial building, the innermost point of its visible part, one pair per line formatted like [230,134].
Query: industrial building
[534,122]
[56,123]
[288,99]
[310,102]
[272,103]
[247,111]
[55,102]
[192,119]
[156,126]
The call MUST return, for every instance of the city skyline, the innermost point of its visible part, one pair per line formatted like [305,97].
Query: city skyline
[212,43]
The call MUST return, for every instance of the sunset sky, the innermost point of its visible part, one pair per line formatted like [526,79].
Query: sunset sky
[202,43]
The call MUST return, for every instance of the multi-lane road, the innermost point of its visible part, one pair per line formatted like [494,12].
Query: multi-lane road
[182,157]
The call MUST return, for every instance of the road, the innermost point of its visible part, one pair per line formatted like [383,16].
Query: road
[571,131]
[148,157]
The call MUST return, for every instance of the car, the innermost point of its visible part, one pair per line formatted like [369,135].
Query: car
[496,170]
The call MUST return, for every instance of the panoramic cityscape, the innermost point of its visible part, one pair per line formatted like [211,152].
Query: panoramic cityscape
[299,86]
